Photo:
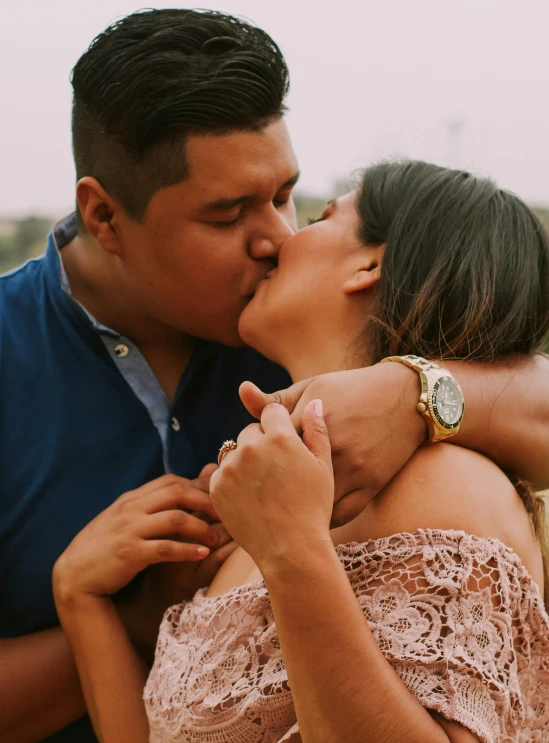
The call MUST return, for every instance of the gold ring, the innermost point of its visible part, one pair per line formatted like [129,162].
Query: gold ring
[227,447]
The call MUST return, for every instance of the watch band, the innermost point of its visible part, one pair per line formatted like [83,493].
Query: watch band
[437,432]
[417,363]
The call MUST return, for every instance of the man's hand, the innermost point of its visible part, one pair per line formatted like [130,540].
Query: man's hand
[136,531]
[172,582]
[372,421]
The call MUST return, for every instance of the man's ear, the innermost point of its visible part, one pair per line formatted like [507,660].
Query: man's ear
[99,213]
[366,273]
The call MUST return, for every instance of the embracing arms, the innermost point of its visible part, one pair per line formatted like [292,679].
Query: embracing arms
[375,429]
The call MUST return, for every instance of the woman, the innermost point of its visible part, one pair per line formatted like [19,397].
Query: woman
[446,562]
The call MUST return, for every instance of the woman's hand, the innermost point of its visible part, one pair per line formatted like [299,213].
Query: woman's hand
[373,422]
[139,529]
[276,491]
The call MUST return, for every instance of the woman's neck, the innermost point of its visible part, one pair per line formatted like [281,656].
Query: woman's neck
[330,355]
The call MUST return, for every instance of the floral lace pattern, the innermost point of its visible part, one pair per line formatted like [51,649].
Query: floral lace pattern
[457,616]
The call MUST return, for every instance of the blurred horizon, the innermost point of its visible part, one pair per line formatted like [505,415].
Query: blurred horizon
[457,82]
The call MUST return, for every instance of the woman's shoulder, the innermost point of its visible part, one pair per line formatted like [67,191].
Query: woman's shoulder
[448,487]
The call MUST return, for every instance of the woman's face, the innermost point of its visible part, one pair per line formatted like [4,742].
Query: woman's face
[306,306]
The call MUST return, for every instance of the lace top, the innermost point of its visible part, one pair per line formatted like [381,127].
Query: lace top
[457,616]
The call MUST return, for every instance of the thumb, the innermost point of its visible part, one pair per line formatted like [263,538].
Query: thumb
[315,433]
[255,400]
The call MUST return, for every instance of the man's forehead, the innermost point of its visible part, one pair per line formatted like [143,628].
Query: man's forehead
[224,166]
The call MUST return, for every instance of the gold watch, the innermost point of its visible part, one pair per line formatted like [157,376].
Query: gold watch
[441,401]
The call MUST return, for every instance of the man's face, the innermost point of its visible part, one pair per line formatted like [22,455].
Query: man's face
[195,261]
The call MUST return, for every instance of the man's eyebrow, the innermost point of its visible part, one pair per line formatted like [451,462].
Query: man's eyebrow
[293,180]
[221,205]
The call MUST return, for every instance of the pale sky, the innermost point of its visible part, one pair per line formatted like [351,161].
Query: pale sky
[369,79]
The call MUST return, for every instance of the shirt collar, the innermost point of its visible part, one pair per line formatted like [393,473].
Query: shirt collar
[58,283]
[63,232]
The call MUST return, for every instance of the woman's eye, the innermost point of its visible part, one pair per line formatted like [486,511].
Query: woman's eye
[310,220]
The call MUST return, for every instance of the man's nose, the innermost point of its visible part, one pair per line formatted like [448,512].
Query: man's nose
[271,233]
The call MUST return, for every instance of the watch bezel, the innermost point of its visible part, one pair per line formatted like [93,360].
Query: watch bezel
[433,409]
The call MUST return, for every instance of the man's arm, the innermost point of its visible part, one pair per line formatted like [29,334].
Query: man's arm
[375,428]
[112,673]
[40,691]
[507,414]
[39,687]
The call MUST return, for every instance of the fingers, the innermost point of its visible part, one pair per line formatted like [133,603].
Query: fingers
[275,419]
[159,484]
[315,433]
[166,550]
[247,435]
[208,470]
[176,495]
[209,567]
[254,400]
[168,523]
[223,535]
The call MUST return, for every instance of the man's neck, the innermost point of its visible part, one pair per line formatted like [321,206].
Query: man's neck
[96,284]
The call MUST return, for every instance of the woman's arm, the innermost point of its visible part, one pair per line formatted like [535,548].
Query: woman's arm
[112,673]
[343,687]
[275,495]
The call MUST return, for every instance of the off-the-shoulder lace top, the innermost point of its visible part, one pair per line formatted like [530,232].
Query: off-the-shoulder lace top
[457,616]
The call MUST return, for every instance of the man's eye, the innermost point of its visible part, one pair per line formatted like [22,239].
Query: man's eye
[231,223]
[280,202]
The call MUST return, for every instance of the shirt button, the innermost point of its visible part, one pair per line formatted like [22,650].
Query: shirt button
[175,425]
[121,350]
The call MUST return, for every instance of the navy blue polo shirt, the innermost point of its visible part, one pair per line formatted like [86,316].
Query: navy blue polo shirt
[83,420]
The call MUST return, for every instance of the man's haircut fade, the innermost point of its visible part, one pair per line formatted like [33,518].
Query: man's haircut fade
[153,78]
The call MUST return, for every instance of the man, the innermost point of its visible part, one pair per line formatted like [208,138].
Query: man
[120,358]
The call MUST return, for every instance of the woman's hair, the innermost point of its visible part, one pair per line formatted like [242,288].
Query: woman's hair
[466,265]
[465,273]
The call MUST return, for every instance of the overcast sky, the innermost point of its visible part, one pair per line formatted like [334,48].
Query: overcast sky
[460,82]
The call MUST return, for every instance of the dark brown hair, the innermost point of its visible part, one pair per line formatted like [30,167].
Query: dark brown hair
[153,78]
[465,274]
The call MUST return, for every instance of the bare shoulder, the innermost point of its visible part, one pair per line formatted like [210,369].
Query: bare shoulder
[449,487]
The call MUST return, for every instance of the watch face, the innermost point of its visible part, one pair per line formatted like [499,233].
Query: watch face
[447,402]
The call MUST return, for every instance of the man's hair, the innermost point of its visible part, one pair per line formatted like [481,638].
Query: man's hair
[155,77]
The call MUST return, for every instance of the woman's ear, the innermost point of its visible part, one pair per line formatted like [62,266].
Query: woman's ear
[366,271]
[99,213]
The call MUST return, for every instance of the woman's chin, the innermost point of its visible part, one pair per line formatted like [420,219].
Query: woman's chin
[253,329]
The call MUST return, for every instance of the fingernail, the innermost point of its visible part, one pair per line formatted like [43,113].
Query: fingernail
[317,405]
[203,551]
[214,538]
